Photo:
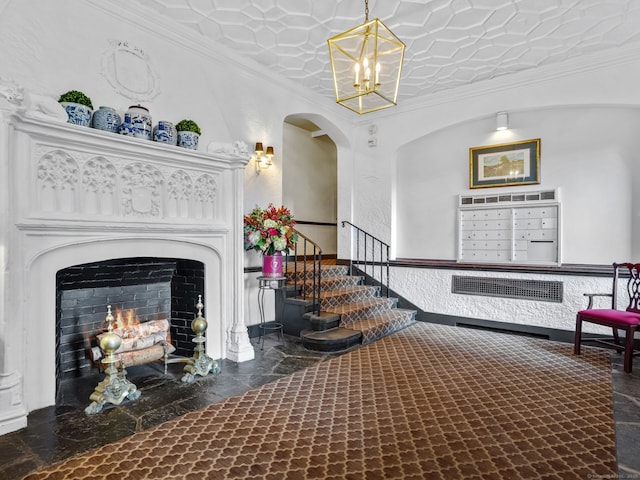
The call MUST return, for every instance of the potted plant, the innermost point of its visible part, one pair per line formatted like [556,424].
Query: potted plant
[270,232]
[78,107]
[188,134]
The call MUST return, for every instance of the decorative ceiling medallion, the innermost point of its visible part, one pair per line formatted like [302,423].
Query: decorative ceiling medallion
[128,70]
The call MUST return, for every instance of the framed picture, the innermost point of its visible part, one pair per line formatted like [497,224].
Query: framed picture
[503,165]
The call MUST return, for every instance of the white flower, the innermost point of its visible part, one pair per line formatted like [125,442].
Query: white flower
[254,237]
[280,243]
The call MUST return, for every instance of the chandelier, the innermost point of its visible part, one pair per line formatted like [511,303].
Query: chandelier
[366,62]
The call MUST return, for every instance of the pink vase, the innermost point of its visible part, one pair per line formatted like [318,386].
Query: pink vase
[272,266]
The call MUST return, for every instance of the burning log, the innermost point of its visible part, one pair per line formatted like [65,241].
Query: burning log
[146,355]
[140,340]
[141,329]
[137,343]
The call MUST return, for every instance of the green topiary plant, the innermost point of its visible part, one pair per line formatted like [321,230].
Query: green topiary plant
[188,126]
[75,96]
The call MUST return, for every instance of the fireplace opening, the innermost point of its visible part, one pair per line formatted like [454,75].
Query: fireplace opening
[143,288]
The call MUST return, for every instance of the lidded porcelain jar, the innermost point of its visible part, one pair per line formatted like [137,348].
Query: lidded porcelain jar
[126,127]
[165,132]
[141,121]
[106,118]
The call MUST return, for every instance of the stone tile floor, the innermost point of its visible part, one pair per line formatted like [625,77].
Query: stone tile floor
[56,433]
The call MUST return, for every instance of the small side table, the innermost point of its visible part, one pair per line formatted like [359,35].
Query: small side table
[269,283]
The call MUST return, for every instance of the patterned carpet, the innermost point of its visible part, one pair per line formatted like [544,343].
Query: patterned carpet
[428,402]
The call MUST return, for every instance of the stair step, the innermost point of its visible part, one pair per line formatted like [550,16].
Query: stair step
[352,294]
[333,340]
[377,326]
[322,322]
[330,283]
[351,312]
[299,273]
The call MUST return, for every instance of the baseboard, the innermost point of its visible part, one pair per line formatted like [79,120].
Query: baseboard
[546,333]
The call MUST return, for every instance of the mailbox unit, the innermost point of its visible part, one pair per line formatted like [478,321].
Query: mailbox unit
[518,228]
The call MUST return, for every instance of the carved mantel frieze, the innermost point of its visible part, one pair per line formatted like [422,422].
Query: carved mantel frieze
[81,172]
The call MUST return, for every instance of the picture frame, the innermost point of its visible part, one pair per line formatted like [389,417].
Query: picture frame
[503,165]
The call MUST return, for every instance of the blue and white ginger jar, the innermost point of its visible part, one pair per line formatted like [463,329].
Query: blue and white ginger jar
[126,127]
[165,132]
[107,119]
[141,121]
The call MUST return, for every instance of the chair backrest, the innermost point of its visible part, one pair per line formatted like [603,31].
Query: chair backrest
[633,285]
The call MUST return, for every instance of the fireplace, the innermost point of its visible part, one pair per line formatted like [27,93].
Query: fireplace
[139,290]
[72,196]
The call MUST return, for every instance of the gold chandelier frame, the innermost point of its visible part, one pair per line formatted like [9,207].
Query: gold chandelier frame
[366,62]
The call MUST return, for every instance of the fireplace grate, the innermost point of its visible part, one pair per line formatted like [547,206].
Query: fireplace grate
[540,290]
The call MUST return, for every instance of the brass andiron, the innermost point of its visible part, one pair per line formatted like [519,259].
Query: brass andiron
[200,364]
[115,387]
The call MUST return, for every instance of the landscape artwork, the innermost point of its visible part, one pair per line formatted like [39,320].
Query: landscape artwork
[504,165]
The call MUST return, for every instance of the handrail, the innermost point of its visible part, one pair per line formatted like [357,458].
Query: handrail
[368,260]
[316,274]
[317,224]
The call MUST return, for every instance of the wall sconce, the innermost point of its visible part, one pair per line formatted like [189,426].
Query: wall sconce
[262,158]
[502,121]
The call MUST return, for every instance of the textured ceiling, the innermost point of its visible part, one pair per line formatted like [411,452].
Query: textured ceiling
[449,42]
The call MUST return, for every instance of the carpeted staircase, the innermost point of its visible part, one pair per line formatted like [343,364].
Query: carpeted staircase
[351,313]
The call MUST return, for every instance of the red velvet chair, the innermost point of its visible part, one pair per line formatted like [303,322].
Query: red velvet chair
[626,320]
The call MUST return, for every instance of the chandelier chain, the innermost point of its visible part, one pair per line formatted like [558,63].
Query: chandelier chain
[366,11]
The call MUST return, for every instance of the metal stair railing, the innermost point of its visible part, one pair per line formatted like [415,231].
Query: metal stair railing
[307,252]
[371,258]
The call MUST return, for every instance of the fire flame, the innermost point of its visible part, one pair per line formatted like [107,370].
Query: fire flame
[126,320]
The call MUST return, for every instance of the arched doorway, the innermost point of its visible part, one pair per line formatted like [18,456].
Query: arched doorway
[310,181]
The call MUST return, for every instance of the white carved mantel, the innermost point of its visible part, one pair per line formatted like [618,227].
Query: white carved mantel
[71,195]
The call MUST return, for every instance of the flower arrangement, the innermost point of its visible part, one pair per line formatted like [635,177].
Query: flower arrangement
[270,230]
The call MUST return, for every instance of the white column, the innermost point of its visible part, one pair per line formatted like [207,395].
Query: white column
[13,412]
[239,348]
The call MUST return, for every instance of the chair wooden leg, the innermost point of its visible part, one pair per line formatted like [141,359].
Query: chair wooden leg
[576,342]
[628,349]
[616,336]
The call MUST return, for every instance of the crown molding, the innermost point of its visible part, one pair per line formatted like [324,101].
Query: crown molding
[147,19]
[588,63]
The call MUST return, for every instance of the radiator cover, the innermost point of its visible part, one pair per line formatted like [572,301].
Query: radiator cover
[539,290]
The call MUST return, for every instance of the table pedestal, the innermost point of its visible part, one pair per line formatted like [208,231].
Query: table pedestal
[269,283]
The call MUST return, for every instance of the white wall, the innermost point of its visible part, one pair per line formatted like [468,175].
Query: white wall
[48,50]
[430,290]
[586,152]
[587,115]
[310,186]
[602,81]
